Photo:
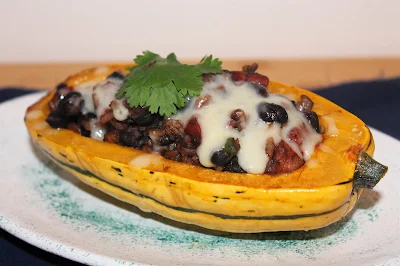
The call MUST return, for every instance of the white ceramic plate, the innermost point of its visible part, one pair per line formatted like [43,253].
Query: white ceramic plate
[49,208]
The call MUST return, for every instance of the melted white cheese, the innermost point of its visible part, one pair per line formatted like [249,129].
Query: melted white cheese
[86,89]
[96,131]
[104,94]
[214,117]
[120,112]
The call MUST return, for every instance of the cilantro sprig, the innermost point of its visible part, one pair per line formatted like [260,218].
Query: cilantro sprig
[162,84]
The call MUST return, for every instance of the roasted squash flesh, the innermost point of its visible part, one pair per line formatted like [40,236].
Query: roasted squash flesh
[318,194]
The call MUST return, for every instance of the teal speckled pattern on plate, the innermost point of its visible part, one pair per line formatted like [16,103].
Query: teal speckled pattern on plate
[60,196]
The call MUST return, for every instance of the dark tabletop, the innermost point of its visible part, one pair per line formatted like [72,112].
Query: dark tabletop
[377,103]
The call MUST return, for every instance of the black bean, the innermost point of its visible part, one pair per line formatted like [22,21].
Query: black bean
[56,121]
[61,85]
[312,118]
[58,96]
[127,139]
[157,121]
[117,75]
[270,113]
[71,104]
[220,157]
[85,121]
[90,115]
[260,89]
[84,132]
[167,139]
[141,141]
[62,93]
[233,166]
[145,119]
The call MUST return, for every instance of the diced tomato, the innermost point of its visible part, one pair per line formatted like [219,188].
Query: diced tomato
[193,129]
[238,76]
[257,78]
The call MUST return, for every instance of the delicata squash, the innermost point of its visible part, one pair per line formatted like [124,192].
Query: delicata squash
[303,165]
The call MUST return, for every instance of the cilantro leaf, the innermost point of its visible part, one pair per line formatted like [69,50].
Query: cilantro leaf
[209,65]
[122,90]
[187,79]
[162,84]
[171,58]
[170,100]
[146,58]
[147,84]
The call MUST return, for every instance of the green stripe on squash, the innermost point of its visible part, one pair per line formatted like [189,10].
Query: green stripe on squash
[222,216]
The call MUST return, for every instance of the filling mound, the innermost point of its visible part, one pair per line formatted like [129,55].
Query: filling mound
[234,125]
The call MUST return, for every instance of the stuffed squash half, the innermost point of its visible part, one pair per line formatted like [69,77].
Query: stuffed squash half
[224,150]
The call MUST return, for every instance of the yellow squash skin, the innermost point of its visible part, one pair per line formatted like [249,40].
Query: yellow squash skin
[316,195]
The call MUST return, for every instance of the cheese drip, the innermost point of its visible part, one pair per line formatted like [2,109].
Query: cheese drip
[214,118]
[104,93]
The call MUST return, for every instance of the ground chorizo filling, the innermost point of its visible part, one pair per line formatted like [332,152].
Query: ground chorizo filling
[234,125]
